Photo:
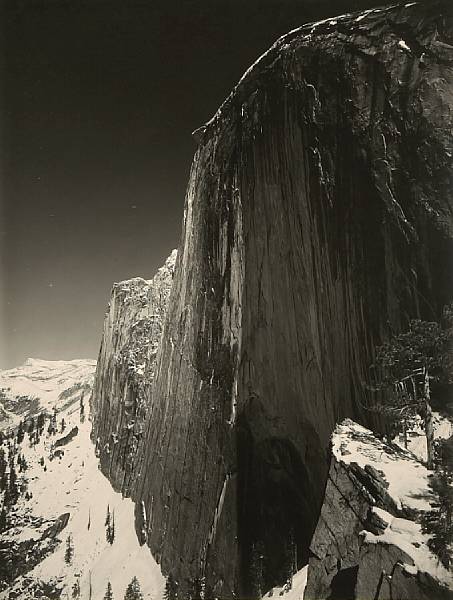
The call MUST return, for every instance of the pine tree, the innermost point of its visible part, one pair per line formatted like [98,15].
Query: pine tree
[196,588]
[3,463]
[20,433]
[110,530]
[406,365]
[31,425]
[108,592]
[3,481]
[171,588]
[69,552]
[11,492]
[257,570]
[40,423]
[82,408]
[76,589]
[53,428]
[290,561]
[3,520]
[133,591]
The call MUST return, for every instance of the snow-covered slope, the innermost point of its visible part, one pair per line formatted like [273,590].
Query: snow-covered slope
[370,542]
[68,506]
[42,385]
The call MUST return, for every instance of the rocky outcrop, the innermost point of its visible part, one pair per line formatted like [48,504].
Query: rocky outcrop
[368,544]
[66,438]
[318,205]
[126,369]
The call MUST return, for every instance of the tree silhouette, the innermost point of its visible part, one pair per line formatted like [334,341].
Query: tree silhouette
[76,589]
[406,365]
[3,520]
[171,588]
[108,592]
[69,552]
[20,433]
[257,570]
[82,408]
[196,588]
[110,531]
[133,591]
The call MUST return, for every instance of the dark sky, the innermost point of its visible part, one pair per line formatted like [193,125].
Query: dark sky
[98,103]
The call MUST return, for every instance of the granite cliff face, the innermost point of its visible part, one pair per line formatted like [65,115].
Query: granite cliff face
[125,369]
[368,544]
[318,217]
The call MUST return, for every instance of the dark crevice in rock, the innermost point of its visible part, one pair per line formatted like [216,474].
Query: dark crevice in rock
[343,584]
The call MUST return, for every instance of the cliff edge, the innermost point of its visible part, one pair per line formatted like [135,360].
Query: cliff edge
[318,216]
[125,369]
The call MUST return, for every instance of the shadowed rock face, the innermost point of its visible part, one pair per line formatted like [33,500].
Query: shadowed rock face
[318,217]
[125,369]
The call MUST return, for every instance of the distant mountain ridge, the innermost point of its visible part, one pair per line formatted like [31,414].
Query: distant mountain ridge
[42,385]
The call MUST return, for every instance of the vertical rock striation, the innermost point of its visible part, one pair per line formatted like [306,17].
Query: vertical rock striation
[126,369]
[318,209]
[318,218]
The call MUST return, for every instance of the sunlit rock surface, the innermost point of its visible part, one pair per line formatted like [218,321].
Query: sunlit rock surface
[368,543]
[126,368]
[318,217]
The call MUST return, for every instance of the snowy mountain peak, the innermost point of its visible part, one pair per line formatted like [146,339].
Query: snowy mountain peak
[42,385]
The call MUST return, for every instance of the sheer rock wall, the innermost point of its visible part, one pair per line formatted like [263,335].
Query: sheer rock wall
[318,217]
[126,369]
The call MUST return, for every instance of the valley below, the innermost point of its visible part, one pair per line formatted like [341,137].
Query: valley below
[270,415]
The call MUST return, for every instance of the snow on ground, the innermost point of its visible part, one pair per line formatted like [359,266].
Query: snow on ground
[297,589]
[443,429]
[408,481]
[74,484]
[51,382]
[408,536]
[406,476]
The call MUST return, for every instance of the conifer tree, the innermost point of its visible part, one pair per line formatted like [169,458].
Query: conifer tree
[82,409]
[3,519]
[52,429]
[171,588]
[40,423]
[3,463]
[69,552]
[290,561]
[11,492]
[108,592]
[31,425]
[20,433]
[257,570]
[196,588]
[76,589]
[406,365]
[133,591]
[110,530]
